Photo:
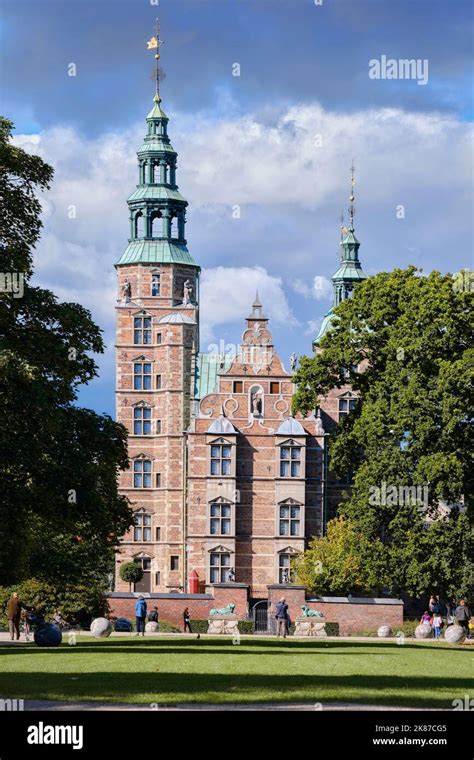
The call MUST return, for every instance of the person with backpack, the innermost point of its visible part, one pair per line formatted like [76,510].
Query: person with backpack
[153,615]
[462,616]
[140,615]
[281,615]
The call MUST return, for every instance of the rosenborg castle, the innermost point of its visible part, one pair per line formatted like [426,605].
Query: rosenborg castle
[222,479]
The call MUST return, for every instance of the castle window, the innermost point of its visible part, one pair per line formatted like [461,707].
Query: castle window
[289,520]
[142,420]
[157,578]
[155,284]
[290,461]
[284,571]
[142,473]
[220,519]
[174,562]
[158,382]
[238,386]
[158,427]
[275,388]
[142,330]
[158,338]
[142,376]
[220,459]
[158,480]
[157,534]
[346,405]
[142,528]
[219,566]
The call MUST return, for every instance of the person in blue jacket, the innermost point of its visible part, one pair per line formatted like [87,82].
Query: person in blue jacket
[140,614]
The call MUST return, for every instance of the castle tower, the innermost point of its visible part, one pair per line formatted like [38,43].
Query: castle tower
[349,272]
[157,342]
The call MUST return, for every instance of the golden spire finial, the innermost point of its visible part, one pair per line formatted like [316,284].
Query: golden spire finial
[351,198]
[158,75]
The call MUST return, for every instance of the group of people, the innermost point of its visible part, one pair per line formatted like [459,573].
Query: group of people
[29,618]
[455,613]
[141,616]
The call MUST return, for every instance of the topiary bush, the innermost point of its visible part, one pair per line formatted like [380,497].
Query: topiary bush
[131,572]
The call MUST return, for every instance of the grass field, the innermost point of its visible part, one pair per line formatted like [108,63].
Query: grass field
[176,670]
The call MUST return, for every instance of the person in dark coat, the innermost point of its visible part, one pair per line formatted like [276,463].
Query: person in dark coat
[187,621]
[153,615]
[140,615]
[282,617]
[14,615]
[462,616]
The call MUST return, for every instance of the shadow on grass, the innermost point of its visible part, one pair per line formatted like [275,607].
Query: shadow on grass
[169,687]
[210,646]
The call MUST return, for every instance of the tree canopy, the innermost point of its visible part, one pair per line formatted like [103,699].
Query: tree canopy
[404,344]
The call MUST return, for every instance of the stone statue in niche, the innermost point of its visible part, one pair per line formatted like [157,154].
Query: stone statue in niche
[256,404]
[293,361]
[126,292]
[285,576]
[319,423]
[188,293]
[231,575]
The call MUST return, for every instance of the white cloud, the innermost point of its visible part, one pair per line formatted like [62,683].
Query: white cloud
[320,288]
[227,294]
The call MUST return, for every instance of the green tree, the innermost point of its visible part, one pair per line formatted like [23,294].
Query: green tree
[60,511]
[341,562]
[131,572]
[412,337]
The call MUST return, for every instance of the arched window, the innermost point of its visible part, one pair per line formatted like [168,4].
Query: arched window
[157,225]
[139,225]
[256,401]
[174,227]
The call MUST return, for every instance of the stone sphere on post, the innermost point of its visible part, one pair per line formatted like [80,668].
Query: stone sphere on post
[423,631]
[455,634]
[384,632]
[101,628]
[48,635]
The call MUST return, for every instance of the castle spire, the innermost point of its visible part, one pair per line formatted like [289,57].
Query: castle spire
[350,271]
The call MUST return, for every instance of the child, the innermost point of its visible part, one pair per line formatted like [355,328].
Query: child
[426,618]
[437,624]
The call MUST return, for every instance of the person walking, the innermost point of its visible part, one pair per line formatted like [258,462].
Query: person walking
[140,615]
[431,603]
[437,624]
[187,621]
[462,616]
[282,617]
[14,615]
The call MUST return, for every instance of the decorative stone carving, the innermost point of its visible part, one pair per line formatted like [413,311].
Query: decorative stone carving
[229,610]
[307,612]
[223,624]
[310,626]
[126,292]
[319,423]
[188,293]
[293,361]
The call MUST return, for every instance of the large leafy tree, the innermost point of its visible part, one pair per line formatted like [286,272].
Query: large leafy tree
[412,337]
[60,512]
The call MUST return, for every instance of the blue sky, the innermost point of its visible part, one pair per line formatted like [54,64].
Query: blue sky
[250,140]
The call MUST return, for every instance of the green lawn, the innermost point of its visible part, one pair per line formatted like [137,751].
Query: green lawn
[169,670]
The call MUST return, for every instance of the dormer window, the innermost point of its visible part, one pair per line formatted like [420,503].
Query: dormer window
[290,460]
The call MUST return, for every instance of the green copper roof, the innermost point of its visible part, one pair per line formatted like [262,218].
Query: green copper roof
[325,324]
[157,111]
[207,370]
[156,146]
[155,192]
[349,271]
[156,252]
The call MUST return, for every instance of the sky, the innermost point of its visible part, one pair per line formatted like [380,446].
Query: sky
[277,141]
